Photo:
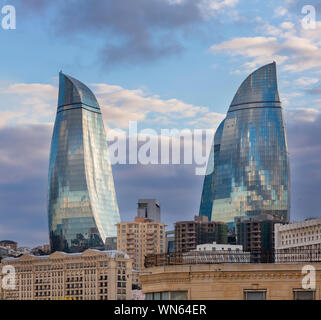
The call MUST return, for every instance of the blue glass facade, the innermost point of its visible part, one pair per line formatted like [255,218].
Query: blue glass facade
[82,204]
[248,167]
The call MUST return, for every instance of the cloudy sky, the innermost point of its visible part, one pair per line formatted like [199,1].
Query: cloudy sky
[164,63]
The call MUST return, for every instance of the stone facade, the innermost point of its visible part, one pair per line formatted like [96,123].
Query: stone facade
[91,275]
[228,281]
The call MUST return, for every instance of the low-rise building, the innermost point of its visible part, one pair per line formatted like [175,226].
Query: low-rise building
[90,275]
[298,240]
[189,234]
[41,250]
[256,235]
[23,250]
[216,253]
[229,281]
[219,247]
[4,252]
[9,244]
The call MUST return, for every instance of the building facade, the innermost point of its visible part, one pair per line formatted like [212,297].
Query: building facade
[299,241]
[248,167]
[219,247]
[90,275]
[227,253]
[140,238]
[257,236]
[3,252]
[170,241]
[150,209]
[9,244]
[82,204]
[189,234]
[40,250]
[229,282]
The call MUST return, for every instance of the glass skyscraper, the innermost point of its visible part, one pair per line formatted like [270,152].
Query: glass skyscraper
[82,204]
[248,167]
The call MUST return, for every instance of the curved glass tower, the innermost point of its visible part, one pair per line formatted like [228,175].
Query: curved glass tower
[248,167]
[82,204]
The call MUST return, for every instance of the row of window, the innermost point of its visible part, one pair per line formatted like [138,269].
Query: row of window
[298,294]
[302,240]
[167,295]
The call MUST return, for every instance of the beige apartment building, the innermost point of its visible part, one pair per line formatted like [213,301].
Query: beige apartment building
[229,281]
[140,238]
[90,275]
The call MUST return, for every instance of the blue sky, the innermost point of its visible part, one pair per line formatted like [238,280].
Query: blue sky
[167,64]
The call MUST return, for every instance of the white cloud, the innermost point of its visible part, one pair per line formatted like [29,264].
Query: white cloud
[297,50]
[7,117]
[306,81]
[302,115]
[210,120]
[313,34]
[23,103]
[287,98]
[280,12]
[121,105]
[287,25]
[261,50]
[210,8]
[287,43]
[173,2]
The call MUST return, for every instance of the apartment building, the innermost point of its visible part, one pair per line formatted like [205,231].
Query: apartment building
[257,236]
[189,234]
[139,238]
[90,275]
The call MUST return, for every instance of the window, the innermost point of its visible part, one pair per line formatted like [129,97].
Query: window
[178,295]
[303,295]
[255,295]
[167,295]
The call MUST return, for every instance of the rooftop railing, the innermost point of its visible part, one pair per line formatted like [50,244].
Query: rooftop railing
[220,257]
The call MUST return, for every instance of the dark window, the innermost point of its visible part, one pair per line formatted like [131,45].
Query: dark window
[304,295]
[255,295]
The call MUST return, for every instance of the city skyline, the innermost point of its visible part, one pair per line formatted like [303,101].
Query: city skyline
[165,64]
